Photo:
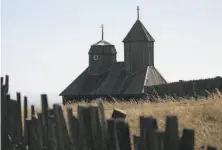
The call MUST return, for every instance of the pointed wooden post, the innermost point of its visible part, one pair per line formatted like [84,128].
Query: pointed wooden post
[32,110]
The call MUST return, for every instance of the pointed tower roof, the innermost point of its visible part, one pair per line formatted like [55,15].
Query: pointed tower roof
[138,32]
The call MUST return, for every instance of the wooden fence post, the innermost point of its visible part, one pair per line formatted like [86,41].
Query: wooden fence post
[73,125]
[2,80]
[5,97]
[95,128]
[160,139]
[123,134]
[148,126]
[44,102]
[28,135]
[171,141]
[112,141]
[187,140]
[103,122]
[25,117]
[19,120]
[137,142]
[118,114]
[36,134]
[85,127]
[25,108]
[6,83]
[32,110]
[53,136]
[3,114]
[64,141]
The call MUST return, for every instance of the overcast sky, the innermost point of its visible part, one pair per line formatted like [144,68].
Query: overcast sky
[45,44]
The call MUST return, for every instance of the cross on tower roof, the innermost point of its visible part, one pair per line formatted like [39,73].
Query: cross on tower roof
[138,13]
[102,31]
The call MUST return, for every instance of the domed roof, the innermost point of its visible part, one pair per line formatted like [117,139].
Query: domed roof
[102,47]
[102,43]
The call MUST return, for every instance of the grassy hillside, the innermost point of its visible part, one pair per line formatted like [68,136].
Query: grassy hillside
[205,116]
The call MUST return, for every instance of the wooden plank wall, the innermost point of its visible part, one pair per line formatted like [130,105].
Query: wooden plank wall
[90,130]
[186,89]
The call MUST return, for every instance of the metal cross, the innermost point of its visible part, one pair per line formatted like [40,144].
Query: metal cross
[138,13]
[102,31]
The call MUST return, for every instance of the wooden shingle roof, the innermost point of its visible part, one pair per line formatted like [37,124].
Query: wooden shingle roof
[138,33]
[116,80]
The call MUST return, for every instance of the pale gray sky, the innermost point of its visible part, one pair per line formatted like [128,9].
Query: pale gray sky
[45,44]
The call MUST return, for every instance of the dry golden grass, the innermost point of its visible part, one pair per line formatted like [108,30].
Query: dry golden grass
[205,116]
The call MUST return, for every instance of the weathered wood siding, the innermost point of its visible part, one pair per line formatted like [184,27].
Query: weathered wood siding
[138,55]
[103,63]
[106,58]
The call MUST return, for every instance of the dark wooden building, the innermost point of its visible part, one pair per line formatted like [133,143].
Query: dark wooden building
[106,77]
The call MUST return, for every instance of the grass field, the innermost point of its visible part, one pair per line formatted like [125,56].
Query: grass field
[205,116]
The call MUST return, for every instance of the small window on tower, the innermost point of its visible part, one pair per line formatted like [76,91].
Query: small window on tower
[95,57]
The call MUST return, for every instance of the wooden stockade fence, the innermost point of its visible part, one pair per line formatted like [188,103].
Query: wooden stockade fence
[186,89]
[48,130]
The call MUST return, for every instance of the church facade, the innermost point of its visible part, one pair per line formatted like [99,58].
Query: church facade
[106,77]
